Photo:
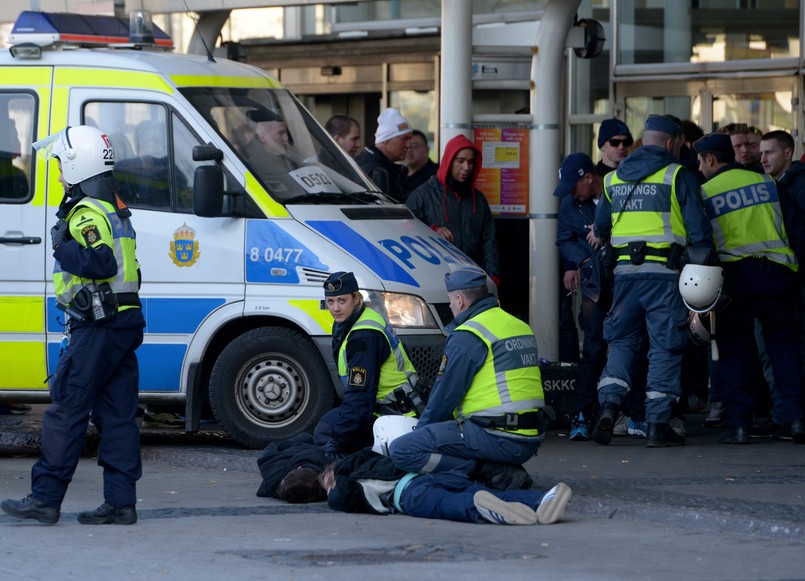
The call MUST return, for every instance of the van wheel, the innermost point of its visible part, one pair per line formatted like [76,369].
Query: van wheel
[269,384]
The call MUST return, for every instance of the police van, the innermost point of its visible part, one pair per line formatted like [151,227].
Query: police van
[234,239]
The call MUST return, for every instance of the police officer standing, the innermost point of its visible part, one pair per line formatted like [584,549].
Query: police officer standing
[96,280]
[760,278]
[376,374]
[486,400]
[651,210]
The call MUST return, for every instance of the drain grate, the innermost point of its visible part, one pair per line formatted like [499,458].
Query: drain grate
[375,555]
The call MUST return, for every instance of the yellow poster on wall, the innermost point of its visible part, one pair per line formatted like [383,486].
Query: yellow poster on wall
[504,173]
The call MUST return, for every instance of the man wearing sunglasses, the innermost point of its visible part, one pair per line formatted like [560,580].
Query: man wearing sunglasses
[614,141]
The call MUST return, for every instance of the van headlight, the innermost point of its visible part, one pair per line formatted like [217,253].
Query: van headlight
[400,310]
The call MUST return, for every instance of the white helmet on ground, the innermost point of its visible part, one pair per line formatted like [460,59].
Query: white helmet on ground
[700,286]
[84,152]
[388,428]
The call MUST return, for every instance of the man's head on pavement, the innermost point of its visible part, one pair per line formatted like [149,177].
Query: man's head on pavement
[465,286]
[271,130]
[663,131]
[714,150]
[614,141]
[776,152]
[577,177]
[393,134]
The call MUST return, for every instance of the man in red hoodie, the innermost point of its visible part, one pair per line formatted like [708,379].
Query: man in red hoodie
[449,203]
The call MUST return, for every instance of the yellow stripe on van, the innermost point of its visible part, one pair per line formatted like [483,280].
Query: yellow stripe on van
[270,206]
[23,365]
[111,78]
[313,309]
[25,76]
[22,315]
[213,81]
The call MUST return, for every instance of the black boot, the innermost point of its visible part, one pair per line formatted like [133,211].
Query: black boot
[602,433]
[662,436]
[29,507]
[501,476]
[107,514]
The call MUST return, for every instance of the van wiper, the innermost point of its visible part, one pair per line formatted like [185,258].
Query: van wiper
[366,197]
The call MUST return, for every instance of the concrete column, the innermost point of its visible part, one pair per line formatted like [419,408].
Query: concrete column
[546,146]
[208,27]
[455,80]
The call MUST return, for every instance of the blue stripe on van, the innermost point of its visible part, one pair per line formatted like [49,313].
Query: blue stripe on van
[364,250]
[160,365]
[162,315]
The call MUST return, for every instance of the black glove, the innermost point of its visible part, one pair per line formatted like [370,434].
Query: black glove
[332,448]
[59,233]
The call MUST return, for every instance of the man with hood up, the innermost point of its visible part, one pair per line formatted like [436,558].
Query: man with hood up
[652,213]
[449,203]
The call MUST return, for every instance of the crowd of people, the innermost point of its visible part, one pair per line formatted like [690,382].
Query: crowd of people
[731,200]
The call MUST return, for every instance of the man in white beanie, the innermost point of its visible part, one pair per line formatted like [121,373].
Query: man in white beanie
[380,162]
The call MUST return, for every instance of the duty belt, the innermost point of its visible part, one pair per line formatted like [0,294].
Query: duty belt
[649,251]
[511,421]
[128,299]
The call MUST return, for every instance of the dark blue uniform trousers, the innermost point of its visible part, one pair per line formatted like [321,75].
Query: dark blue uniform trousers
[453,447]
[449,496]
[98,373]
[766,291]
[653,306]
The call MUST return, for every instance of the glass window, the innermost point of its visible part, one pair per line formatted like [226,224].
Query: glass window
[655,31]
[399,9]
[766,111]
[16,131]
[150,174]
[639,108]
[283,146]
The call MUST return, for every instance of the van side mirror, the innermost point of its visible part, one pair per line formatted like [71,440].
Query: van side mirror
[207,152]
[208,190]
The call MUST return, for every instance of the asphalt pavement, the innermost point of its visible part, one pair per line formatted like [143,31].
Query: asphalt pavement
[757,489]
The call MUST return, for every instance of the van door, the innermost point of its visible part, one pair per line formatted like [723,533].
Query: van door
[191,266]
[24,240]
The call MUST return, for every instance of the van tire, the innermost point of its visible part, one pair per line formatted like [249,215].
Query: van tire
[269,384]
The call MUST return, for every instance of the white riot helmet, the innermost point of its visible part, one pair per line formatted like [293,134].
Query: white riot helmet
[699,327]
[84,152]
[388,428]
[700,286]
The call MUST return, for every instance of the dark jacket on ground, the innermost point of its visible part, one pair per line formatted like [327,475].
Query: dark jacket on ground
[279,458]
[364,482]
[387,175]
[465,213]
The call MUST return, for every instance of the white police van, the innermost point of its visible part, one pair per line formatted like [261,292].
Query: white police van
[234,249]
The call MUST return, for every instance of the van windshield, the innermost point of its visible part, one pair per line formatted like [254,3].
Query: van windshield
[284,147]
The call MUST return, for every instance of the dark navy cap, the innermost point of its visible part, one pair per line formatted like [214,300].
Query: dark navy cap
[340,283]
[464,278]
[714,142]
[260,115]
[663,124]
[574,166]
[610,128]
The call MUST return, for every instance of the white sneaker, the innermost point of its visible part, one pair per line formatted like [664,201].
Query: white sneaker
[621,426]
[500,512]
[553,504]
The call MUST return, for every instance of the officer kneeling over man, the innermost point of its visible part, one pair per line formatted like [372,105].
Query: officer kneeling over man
[484,416]
[96,280]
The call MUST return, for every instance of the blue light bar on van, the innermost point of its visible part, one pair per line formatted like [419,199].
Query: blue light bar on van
[47,28]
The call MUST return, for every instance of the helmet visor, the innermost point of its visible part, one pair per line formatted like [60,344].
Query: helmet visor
[52,145]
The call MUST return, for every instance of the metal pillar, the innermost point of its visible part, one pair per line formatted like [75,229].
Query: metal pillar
[455,79]
[546,134]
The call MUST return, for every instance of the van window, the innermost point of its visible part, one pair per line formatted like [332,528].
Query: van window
[283,146]
[154,163]
[16,133]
